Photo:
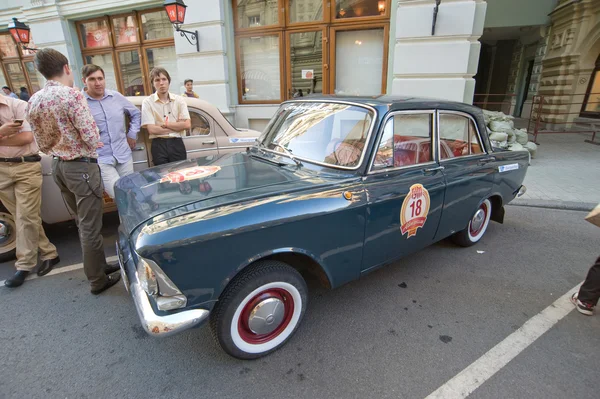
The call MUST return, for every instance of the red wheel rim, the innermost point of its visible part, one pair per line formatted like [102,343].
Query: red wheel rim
[475,232]
[244,329]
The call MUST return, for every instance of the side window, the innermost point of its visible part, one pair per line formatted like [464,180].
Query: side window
[200,125]
[406,141]
[458,136]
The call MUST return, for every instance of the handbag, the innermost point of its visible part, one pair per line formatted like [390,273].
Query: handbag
[594,216]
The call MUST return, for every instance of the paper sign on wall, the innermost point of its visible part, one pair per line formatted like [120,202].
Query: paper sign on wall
[308,73]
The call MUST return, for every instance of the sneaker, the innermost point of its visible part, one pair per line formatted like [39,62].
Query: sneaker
[582,307]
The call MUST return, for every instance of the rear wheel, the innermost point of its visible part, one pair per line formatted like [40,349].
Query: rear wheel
[260,310]
[8,236]
[477,226]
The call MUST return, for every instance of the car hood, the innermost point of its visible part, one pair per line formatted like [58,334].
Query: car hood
[162,191]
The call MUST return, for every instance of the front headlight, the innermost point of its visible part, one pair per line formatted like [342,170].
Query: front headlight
[147,277]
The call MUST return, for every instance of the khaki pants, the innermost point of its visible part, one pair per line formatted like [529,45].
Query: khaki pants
[81,187]
[21,194]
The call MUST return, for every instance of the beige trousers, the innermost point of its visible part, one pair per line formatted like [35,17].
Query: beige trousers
[21,194]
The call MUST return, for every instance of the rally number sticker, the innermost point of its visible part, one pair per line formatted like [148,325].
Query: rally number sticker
[415,209]
[196,172]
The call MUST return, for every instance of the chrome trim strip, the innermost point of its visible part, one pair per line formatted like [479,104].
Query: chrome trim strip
[382,126]
[367,139]
[155,325]
[229,147]
[197,136]
[201,150]
[139,162]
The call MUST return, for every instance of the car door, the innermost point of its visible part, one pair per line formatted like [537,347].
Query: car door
[468,169]
[405,189]
[200,140]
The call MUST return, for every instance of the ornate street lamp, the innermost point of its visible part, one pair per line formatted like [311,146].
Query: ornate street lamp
[176,12]
[21,33]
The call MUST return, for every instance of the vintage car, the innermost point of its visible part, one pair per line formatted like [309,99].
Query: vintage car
[334,188]
[211,134]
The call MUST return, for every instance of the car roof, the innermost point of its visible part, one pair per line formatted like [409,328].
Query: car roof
[393,102]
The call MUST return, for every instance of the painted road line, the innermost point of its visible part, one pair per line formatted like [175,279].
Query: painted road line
[65,269]
[468,380]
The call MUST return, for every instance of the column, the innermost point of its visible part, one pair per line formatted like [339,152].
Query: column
[440,65]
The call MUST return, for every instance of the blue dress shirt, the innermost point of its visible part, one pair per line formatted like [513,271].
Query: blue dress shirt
[109,114]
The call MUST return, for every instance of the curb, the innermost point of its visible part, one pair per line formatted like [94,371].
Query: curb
[550,204]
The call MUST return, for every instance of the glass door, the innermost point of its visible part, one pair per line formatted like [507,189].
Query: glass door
[16,76]
[306,63]
[132,77]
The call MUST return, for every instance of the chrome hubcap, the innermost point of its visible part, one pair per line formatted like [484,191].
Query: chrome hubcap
[478,220]
[4,232]
[266,316]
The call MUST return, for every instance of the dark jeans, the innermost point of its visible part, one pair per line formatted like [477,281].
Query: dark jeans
[590,290]
[80,184]
[168,150]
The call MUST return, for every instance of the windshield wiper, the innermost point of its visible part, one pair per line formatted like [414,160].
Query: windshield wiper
[262,154]
[288,153]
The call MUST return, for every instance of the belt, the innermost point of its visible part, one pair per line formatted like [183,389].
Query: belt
[27,158]
[81,159]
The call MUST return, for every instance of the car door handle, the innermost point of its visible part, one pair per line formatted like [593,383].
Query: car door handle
[138,149]
[429,170]
[208,142]
[487,160]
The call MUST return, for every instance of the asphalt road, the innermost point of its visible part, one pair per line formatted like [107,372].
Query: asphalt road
[400,332]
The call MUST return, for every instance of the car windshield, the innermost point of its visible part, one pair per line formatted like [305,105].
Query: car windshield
[321,132]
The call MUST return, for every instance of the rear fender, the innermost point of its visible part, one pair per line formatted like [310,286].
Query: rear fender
[497,208]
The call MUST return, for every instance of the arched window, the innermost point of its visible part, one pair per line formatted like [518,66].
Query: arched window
[591,103]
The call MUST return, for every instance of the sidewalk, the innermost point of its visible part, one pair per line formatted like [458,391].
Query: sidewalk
[564,174]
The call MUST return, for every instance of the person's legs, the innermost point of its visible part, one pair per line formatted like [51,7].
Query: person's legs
[177,150]
[84,181]
[160,151]
[110,175]
[590,289]
[124,169]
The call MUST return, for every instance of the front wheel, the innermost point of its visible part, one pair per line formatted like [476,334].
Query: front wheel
[260,310]
[477,226]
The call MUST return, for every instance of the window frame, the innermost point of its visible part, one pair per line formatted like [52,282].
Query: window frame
[369,18]
[21,59]
[473,121]
[140,46]
[434,139]
[595,75]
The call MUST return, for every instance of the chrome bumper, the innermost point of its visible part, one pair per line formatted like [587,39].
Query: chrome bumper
[155,325]
[522,190]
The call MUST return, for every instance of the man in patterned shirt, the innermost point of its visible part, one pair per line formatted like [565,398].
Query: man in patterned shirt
[65,129]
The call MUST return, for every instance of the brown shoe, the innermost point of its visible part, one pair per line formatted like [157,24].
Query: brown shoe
[111,280]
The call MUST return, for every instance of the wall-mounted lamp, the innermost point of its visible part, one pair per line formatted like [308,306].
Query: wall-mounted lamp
[176,12]
[21,33]
[435,13]
[381,6]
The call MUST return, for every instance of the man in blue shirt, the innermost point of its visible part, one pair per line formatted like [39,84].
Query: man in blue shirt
[109,108]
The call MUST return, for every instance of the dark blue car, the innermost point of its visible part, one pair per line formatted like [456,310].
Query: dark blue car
[334,187]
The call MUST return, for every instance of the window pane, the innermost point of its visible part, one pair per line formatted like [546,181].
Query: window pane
[165,57]
[8,47]
[305,10]
[2,80]
[156,25]
[410,143]
[593,102]
[259,67]
[359,8]
[359,62]
[131,73]
[455,133]
[125,29]
[16,76]
[105,62]
[95,34]
[200,126]
[257,13]
[306,55]
[323,132]
[35,78]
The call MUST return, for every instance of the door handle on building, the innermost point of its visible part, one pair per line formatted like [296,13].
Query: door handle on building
[208,142]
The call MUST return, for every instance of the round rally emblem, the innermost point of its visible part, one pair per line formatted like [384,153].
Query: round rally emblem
[415,209]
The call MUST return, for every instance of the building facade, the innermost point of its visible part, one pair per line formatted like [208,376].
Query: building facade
[254,54]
